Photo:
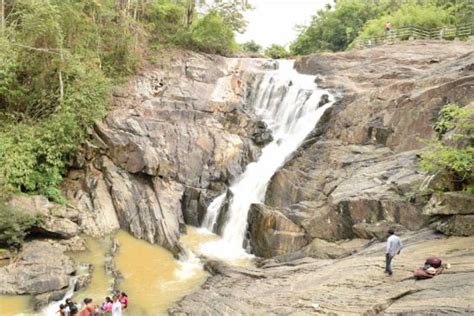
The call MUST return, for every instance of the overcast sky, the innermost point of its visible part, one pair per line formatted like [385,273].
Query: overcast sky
[273,21]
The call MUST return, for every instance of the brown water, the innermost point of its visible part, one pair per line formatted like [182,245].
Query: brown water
[15,305]
[153,279]
[101,282]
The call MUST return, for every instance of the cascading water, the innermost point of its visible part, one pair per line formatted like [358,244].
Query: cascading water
[288,102]
[53,307]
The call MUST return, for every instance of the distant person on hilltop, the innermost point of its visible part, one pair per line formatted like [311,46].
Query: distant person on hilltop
[394,246]
[388,26]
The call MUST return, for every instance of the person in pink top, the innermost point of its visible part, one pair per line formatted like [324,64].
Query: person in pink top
[124,300]
[107,305]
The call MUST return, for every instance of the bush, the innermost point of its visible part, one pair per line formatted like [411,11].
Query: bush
[334,29]
[167,20]
[251,47]
[211,35]
[423,16]
[276,52]
[453,154]
[15,225]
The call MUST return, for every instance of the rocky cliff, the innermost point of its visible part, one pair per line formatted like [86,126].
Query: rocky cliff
[358,172]
[355,176]
[174,138]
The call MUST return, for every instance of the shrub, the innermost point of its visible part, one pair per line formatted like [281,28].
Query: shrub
[167,20]
[251,47]
[453,154]
[15,225]
[276,52]
[211,35]
[423,16]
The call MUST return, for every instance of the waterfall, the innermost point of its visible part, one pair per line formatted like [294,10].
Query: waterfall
[288,102]
[53,307]
[212,212]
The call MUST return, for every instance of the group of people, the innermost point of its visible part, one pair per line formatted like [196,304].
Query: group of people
[111,306]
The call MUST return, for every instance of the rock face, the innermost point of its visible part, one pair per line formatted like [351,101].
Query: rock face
[173,140]
[455,212]
[357,174]
[40,268]
[59,221]
[355,285]
[450,203]
[272,234]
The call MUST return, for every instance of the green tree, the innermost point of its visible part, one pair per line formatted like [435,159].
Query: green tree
[212,35]
[231,13]
[251,47]
[424,16]
[334,29]
[453,150]
[276,51]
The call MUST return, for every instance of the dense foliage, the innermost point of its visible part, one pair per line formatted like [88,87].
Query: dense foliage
[15,225]
[210,34]
[251,47]
[333,29]
[453,150]
[276,51]
[59,59]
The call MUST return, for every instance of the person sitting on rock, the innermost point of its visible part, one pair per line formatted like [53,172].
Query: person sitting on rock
[394,246]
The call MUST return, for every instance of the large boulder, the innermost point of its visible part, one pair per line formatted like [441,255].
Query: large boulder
[377,230]
[273,234]
[58,220]
[57,228]
[457,225]
[450,203]
[41,267]
[322,249]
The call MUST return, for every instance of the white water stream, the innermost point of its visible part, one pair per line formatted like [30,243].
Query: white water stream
[288,102]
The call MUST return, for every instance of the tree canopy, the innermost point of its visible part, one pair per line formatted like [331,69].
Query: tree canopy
[334,28]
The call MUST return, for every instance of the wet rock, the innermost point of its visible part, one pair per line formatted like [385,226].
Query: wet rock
[261,135]
[39,268]
[270,64]
[194,205]
[449,203]
[273,234]
[323,100]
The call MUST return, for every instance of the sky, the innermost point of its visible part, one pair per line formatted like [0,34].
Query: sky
[274,21]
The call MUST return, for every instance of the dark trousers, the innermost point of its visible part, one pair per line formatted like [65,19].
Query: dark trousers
[388,263]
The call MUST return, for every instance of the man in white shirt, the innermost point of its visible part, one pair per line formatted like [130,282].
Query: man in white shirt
[394,246]
[116,306]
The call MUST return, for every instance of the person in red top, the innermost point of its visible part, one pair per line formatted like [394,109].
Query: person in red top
[89,308]
[123,299]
